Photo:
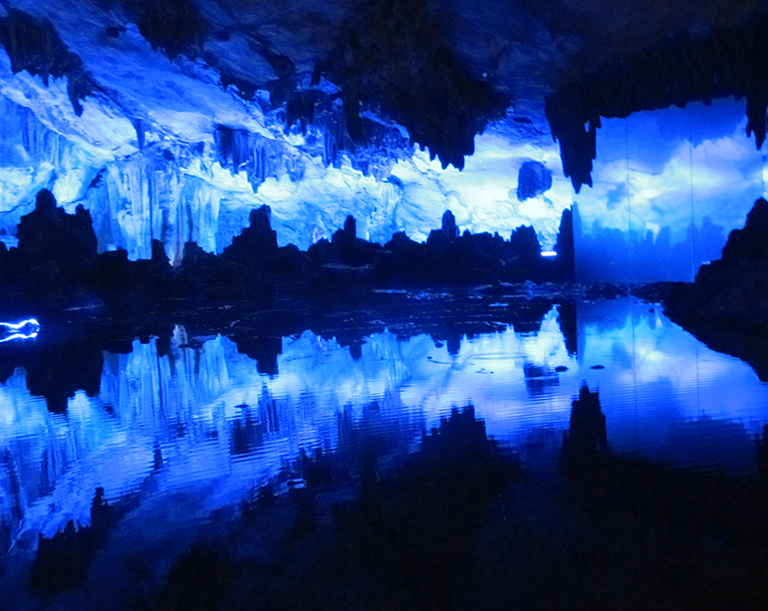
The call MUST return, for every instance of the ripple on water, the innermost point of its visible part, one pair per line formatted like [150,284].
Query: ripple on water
[203,418]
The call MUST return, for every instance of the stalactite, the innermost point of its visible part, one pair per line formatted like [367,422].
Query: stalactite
[35,46]
[241,150]
[676,72]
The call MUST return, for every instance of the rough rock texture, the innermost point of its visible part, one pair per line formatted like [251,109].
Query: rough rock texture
[174,26]
[257,242]
[733,290]
[533,178]
[34,45]
[138,101]
[257,85]
[393,56]
[747,245]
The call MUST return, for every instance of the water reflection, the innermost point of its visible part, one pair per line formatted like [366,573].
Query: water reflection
[25,329]
[197,413]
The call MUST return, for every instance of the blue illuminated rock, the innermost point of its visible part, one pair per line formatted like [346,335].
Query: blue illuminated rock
[173,121]
[533,178]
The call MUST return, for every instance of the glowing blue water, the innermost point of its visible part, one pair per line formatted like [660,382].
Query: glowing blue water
[202,421]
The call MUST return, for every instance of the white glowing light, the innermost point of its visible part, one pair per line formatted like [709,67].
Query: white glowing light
[548,253]
[26,329]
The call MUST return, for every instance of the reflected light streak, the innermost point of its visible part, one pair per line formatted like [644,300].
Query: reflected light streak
[26,329]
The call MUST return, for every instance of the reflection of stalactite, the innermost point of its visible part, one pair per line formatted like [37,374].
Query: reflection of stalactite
[587,436]
[246,433]
[157,461]
[46,482]
[360,446]
[268,411]
[264,349]
[538,379]
[348,436]
[13,484]
[63,560]
[567,321]
[454,342]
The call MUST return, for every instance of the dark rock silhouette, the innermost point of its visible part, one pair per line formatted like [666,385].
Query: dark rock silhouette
[413,530]
[565,262]
[256,242]
[533,178]
[749,244]
[449,225]
[57,371]
[62,561]
[568,322]
[524,246]
[56,265]
[48,235]
[198,581]
[727,306]
[587,437]
[348,249]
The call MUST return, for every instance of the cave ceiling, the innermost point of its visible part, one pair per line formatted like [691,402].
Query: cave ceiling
[442,69]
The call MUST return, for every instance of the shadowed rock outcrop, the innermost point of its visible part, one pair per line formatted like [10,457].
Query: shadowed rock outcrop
[48,236]
[35,46]
[587,437]
[174,26]
[727,306]
[56,265]
[393,55]
[533,178]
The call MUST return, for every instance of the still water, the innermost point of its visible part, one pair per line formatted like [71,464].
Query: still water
[199,419]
